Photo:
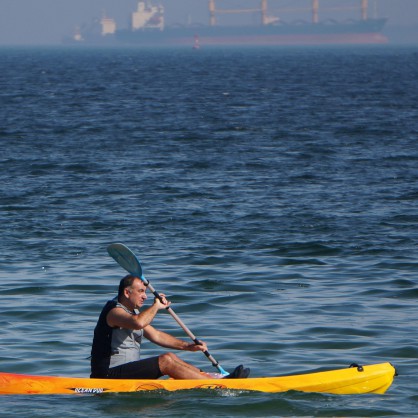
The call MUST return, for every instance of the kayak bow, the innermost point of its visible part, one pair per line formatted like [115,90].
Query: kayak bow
[375,378]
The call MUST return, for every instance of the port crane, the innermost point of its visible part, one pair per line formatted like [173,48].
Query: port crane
[267,19]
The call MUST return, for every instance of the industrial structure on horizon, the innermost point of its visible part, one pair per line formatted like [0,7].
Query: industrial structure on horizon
[148,27]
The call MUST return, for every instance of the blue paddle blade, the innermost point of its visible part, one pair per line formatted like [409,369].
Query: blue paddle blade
[126,259]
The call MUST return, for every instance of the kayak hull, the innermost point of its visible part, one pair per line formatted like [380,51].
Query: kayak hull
[375,378]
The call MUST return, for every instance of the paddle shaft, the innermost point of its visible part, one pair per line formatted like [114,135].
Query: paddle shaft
[182,324]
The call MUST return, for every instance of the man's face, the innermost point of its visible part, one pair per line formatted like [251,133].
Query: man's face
[136,294]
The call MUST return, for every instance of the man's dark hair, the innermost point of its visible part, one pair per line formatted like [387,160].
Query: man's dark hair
[125,282]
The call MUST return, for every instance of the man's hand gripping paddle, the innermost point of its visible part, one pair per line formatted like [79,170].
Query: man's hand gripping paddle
[127,259]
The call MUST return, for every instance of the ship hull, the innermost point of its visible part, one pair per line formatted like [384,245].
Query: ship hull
[360,32]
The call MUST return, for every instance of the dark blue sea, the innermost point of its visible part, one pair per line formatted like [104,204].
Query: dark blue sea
[271,193]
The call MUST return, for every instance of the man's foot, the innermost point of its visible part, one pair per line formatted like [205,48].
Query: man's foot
[238,373]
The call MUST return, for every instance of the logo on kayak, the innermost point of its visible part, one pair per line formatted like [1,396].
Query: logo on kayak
[88,390]
[149,386]
[210,386]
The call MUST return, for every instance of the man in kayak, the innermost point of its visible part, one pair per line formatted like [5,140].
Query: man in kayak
[118,334]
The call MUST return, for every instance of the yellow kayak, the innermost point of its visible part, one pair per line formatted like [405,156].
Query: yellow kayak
[374,378]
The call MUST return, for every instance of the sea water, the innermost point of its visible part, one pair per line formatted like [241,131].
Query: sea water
[272,194]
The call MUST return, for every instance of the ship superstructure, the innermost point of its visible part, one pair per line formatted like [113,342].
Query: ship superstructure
[148,16]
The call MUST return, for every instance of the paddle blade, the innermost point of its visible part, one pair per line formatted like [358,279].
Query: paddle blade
[126,259]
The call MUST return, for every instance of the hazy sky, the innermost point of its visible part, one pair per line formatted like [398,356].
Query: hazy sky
[47,21]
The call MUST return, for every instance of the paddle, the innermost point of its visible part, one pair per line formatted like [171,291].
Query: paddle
[127,259]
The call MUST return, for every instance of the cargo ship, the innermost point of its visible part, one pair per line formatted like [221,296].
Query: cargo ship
[148,28]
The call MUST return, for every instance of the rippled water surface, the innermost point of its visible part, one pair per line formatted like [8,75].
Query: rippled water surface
[271,193]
